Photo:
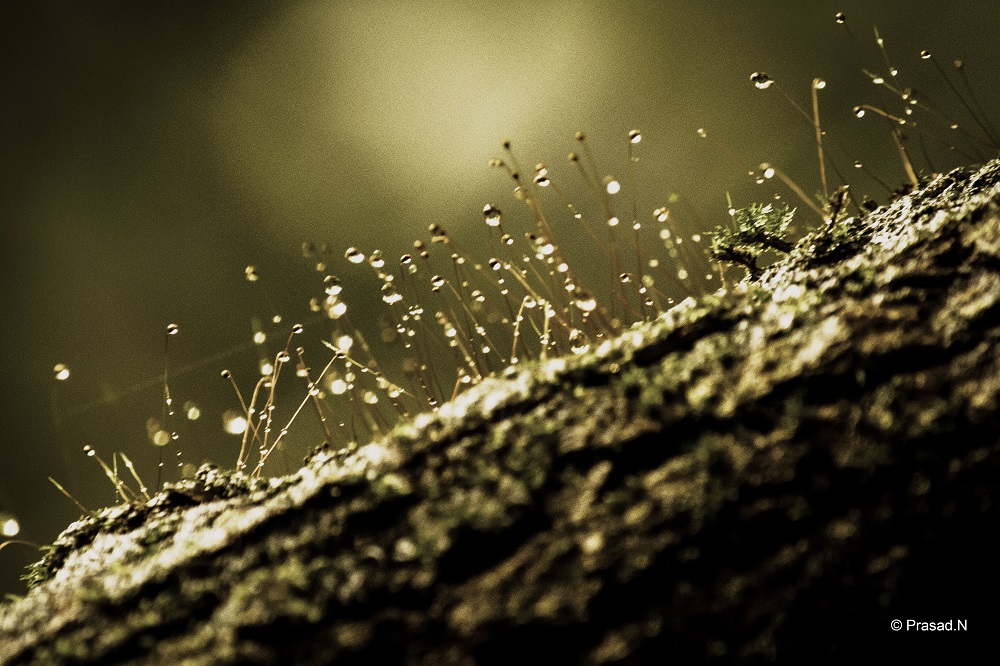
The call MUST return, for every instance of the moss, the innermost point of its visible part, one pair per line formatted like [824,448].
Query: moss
[694,484]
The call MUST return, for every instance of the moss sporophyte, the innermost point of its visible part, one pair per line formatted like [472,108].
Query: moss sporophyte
[455,317]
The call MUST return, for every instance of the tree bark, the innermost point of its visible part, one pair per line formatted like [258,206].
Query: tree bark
[776,473]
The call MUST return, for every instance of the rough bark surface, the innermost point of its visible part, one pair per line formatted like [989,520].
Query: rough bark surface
[774,474]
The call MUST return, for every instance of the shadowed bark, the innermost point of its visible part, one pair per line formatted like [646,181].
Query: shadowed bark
[776,473]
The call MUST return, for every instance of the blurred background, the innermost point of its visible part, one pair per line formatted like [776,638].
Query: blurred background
[152,151]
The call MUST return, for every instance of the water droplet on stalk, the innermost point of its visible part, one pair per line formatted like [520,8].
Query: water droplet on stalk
[389,293]
[438,234]
[332,285]
[492,215]
[761,80]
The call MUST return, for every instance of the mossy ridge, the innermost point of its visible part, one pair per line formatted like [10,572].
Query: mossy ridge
[728,431]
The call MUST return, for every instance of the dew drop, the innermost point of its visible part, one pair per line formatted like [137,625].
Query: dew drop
[9,527]
[160,438]
[858,165]
[389,293]
[634,136]
[625,278]
[283,357]
[376,260]
[259,337]
[542,180]
[612,185]
[89,451]
[506,239]
[761,80]
[819,84]
[297,329]
[437,282]
[251,273]
[613,222]
[577,342]
[925,55]
[172,329]
[226,374]
[585,302]
[438,234]
[336,310]
[332,285]
[61,371]
[702,133]
[492,215]
[354,255]
[233,422]
[840,17]
[859,112]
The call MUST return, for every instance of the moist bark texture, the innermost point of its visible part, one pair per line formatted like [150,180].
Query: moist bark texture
[777,473]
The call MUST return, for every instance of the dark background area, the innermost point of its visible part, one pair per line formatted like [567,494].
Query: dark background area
[151,152]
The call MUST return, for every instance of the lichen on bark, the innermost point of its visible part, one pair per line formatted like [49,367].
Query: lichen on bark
[774,473]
